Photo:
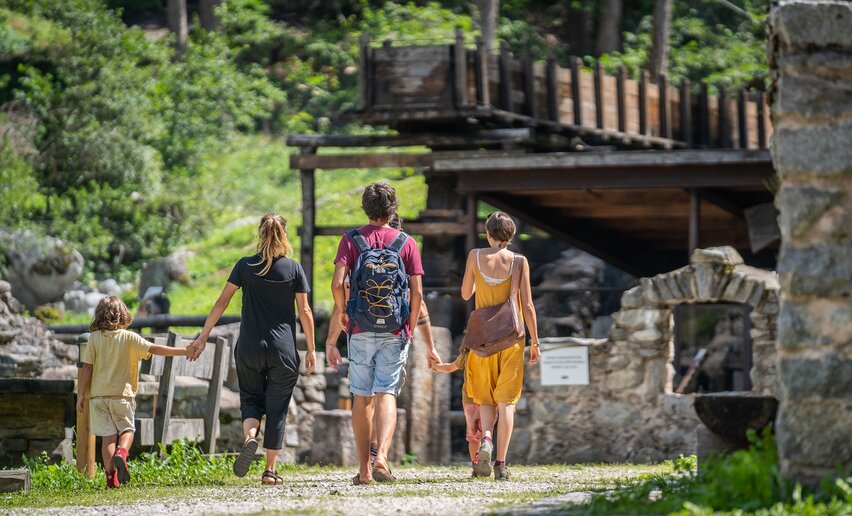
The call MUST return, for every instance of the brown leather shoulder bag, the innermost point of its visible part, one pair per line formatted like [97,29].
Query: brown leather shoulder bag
[493,329]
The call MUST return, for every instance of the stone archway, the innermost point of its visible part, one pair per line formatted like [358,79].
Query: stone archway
[718,274]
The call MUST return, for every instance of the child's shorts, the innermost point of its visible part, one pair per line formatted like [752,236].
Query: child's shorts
[474,423]
[112,415]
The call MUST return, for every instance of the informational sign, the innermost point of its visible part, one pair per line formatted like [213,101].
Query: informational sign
[563,365]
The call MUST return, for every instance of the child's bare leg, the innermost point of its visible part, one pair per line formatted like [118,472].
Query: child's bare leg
[271,458]
[125,440]
[250,427]
[473,449]
[108,450]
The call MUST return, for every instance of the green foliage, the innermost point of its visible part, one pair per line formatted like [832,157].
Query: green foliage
[743,482]
[46,314]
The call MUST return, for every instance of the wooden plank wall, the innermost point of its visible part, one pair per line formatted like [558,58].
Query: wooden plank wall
[422,76]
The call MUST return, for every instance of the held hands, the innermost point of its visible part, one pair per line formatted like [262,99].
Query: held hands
[194,350]
[433,356]
[333,356]
[535,354]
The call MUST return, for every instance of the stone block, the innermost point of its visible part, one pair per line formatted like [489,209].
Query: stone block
[821,270]
[802,206]
[335,444]
[805,378]
[817,151]
[650,296]
[723,255]
[646,336]
[805,24]
[617,415]
[814,434]
[624,379]
[639,318]
[632,298]
[814,87]
[816,323]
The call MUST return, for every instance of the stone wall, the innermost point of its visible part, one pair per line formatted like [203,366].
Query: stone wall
[628,411]
[811,57]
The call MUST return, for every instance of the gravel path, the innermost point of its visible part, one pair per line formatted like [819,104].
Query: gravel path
[419,490]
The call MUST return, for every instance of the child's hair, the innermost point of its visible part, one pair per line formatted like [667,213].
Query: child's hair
[395,221]
[500,226]
[272,240]
[110,314]
[379,201]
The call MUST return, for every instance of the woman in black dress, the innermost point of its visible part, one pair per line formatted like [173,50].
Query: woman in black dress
[266,357]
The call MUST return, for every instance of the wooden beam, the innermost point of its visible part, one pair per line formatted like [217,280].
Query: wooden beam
[742,123]
[442,139]
[552,91]
[643,102]
[686,111]
[214,393]
[306,250]
[599,75]
[310,162]
[704,116]
[761,120]
[720,199]
[483,96]
[620,82]
[165,394]
[663,105]
[459,70]
[576,65]
[694,220]
[724,120]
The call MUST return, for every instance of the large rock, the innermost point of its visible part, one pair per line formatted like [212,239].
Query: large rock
[39,268]
[27,349]
[161,272]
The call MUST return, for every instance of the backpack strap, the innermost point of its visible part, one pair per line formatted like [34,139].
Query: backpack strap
[398,242]
[360,241]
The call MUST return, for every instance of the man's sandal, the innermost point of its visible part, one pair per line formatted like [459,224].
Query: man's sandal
[356,481]
[382,474]
[247,453]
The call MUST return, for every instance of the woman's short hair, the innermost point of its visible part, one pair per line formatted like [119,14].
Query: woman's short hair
[111,314]
[379,201]
[500,226]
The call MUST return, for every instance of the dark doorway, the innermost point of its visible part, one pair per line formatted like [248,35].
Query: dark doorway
[712,347]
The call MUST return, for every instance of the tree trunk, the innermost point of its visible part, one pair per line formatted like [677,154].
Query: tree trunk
[488,12]
[207,13]
[609,27]
[662,30]
[176,11]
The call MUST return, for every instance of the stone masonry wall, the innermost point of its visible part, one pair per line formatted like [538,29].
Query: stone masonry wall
[811,58]
[628,411]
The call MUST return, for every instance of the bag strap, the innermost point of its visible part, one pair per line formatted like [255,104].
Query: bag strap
[398,242]
[517,265]
[359,240]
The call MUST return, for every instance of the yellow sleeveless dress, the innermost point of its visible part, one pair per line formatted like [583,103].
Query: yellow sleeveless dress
[500,377]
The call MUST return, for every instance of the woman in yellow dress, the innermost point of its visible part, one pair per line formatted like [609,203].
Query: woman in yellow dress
[495,382]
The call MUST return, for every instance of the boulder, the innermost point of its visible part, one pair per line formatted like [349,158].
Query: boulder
[109,287]
[39,268]
[161,272]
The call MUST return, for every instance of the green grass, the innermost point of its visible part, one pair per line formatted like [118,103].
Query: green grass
[254,179]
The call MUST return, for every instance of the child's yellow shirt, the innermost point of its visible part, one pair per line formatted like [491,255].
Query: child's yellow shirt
[115,357]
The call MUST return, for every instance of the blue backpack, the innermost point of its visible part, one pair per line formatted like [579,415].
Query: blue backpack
[378,298]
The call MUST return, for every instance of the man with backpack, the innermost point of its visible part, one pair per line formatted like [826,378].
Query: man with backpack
[383,265]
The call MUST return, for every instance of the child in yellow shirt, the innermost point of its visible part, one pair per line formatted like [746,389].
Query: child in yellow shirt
[110,375]
[471,409]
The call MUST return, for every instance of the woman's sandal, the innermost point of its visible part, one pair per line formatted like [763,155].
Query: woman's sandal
[247,453]
[356,481]
[270,478]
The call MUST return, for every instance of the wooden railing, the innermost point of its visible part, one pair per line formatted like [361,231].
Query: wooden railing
[436,80]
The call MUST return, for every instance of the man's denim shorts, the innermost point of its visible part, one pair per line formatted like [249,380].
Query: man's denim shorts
[376,362]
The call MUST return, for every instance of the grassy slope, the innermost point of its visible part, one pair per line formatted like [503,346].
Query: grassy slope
[252,178]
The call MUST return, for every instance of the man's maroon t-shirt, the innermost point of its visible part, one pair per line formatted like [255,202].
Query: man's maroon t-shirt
[380,237]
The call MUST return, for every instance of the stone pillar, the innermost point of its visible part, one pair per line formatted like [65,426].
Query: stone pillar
[811,59]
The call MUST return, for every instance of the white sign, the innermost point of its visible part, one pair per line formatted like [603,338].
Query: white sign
[565,365]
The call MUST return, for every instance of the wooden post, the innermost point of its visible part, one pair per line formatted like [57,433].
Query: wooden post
[694,219]
[620,81]
[643,102]
[483,95]
[761,120]
[704,117]
[552,91]
[742,126]
[165,394]
[460,69]
[471,219]
[663,104]
[364,77]
[724,125]
[505,78]
[529,83]
[576,65]
[686,111]
[214,395]
[85,438]
[599,73]
[308,222]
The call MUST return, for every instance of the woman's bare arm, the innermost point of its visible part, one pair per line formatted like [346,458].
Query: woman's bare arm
[216,312]
[306,317]
[529,310]
[468,287]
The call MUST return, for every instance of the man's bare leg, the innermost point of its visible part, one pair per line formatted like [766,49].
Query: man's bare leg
[362,423]
[386,426]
